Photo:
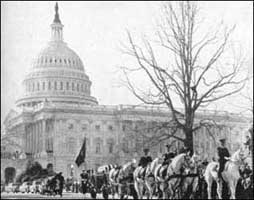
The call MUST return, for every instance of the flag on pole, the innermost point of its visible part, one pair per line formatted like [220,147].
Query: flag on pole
[82,154]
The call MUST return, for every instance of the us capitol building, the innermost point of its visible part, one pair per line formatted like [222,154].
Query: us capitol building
[57,111]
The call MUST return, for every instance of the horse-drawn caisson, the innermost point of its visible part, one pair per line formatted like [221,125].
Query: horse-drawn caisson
[184,176]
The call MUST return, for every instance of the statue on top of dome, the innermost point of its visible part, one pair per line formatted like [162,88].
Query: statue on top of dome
[57,19]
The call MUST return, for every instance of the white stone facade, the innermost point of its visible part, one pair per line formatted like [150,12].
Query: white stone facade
[57,111]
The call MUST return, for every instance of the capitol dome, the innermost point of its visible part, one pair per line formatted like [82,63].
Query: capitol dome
[57,74]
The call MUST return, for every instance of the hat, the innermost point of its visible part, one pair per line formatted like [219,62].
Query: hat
[146,150]
[222,139]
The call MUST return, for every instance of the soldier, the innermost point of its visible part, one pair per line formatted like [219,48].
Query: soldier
[84,179]
[168,155]
[166,160]
[247,143]
[144,161]
[222,153]
[61,179]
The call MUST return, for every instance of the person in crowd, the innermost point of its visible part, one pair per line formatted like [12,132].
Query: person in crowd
[84,179]
[223,153]
[61,185]
[247,143]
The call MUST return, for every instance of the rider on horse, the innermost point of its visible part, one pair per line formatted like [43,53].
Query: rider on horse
[222,153]
[144,161]
[167,157]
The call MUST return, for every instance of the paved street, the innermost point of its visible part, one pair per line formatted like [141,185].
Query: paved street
[66,195]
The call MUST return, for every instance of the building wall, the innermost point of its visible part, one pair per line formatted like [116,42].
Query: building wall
[113,135]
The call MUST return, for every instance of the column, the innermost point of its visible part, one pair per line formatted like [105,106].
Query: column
[32,138]
[37,138]
[43,134]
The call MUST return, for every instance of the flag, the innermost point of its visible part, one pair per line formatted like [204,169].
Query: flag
[82,154]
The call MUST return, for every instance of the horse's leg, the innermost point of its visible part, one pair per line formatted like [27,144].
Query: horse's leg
[149,189]
[136,186]
[209,189]
[219,188]
[232,189]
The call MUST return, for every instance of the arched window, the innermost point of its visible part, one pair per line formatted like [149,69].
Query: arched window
[72,143]
[50,60]
[110,143]
[55,85]
[82,88]
[77,87]
[38,86]
[46,60]
[65,61]
[49,85]
[43,85]
[98,145]
[33,87]
[67,85]
[55,60]
[125,145]
[61,85]
[73,87]
[60,60]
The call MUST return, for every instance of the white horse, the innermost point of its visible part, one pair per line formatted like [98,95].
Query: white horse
[190,184]
[116,175]
[230,174]
[149,180]
[105,168]
[178,163]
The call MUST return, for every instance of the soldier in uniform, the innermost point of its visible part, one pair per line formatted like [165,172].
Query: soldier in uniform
[222,153]
[61,179]
[247,143]
[168,155]
[84,179]
[166,160]
[144,161]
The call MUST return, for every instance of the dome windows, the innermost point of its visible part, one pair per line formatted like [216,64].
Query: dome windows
[38,86]
[55,86]
[43,86]
[78,87]
[73,87]
[67,85]
[49,85]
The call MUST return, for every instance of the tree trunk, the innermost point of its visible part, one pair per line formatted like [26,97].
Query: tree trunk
[189,140]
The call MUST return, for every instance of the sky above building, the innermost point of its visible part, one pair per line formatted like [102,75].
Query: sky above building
[95,30]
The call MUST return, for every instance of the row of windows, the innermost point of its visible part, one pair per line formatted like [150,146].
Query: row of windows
[57,86]
[85,127]
[98,147]
[55,60]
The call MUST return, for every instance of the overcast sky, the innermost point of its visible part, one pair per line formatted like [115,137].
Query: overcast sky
[94,31]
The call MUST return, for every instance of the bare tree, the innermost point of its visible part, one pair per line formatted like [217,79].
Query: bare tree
[197,74]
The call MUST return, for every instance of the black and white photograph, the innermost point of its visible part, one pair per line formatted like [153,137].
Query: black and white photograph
[127,100]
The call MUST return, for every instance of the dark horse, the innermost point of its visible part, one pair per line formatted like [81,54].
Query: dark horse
[54,186]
